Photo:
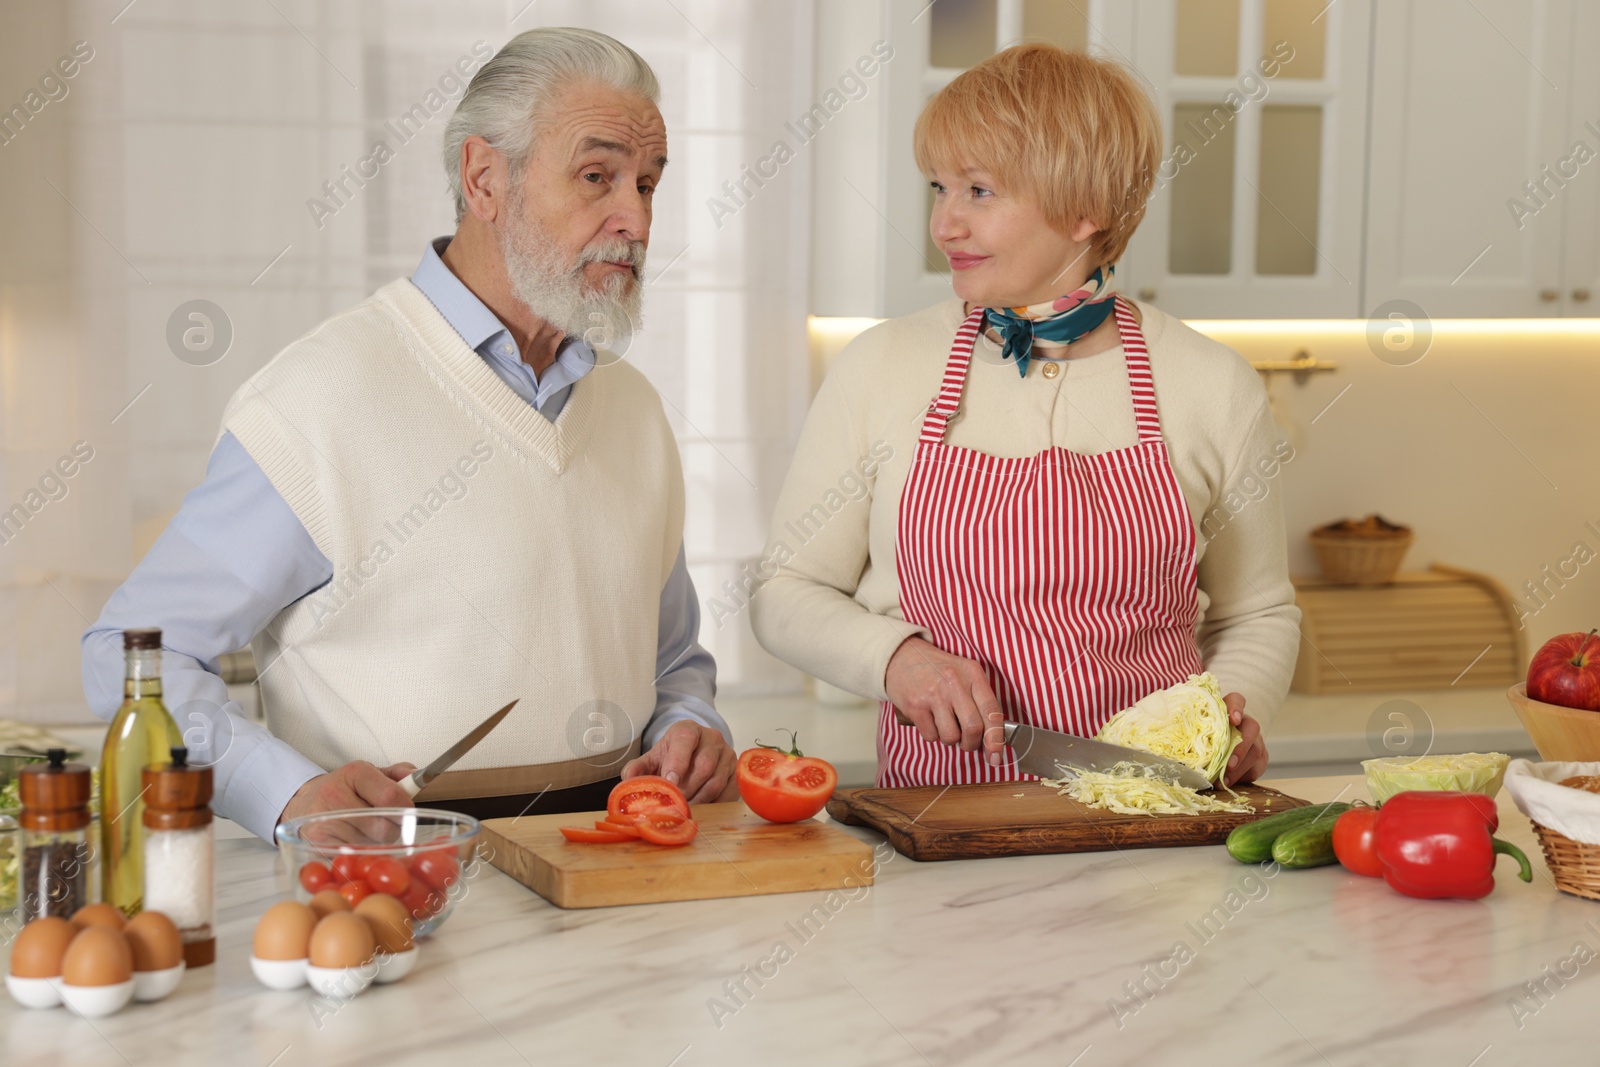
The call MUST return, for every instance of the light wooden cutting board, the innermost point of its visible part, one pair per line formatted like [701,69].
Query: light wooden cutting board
[736,854]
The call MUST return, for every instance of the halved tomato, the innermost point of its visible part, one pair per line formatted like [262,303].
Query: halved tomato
[584,835]
[648,792]
[666,828]
[784,786]
[630,828]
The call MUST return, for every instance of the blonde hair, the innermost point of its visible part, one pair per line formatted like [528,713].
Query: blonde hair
[1075,133]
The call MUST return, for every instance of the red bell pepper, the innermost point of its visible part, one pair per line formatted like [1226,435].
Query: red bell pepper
[1442,844]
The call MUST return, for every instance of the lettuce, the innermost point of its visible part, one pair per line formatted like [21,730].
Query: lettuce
[1187,723]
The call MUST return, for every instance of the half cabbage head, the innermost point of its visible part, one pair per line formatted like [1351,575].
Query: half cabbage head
[1187,723]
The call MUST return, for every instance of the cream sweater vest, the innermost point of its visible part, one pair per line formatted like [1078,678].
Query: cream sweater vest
[826,597]
[480,552]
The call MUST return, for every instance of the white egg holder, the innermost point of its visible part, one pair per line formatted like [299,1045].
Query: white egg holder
[94,1002]
[338,983]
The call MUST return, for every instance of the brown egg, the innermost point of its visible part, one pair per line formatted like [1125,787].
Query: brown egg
[391,925]
[107,915]
[154,940]
[40,947]
[342,939]
[284,932]
[329,901]
[98,956]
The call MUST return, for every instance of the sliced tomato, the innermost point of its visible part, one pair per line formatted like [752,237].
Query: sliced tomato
[631,829]
[584,835]
[784,786]
[621,819]
[666,828]
[648,792]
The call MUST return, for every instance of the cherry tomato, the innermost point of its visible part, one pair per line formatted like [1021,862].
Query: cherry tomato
[350,867]
[784,786]
[314,877]
[437,869]
[665,828]
[1355,843]
[629,828]
[646,793]
[388,875]
[584,835]
[421,902]
[355,892]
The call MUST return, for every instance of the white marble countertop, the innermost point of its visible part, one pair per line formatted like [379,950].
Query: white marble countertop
[1000,961]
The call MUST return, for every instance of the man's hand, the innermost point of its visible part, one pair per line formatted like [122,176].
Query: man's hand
[355,785]
[1249,760]
[695,758]
[947,698]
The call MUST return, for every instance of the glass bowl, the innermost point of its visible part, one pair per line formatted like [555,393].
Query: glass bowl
[422,855]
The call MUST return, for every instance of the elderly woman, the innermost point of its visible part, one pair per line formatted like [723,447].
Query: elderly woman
[1044,538]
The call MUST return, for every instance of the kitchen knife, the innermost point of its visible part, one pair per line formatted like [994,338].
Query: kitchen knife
[1038,752]
[415,782]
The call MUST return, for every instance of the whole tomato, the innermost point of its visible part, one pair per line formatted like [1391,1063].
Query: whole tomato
[1354,841]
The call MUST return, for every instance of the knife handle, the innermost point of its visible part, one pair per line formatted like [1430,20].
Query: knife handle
[411,785]
[1010,727]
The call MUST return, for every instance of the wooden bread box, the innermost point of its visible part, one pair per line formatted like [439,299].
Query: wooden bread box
[1423,630]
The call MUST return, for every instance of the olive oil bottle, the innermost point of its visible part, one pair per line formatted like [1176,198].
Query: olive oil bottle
[142,734]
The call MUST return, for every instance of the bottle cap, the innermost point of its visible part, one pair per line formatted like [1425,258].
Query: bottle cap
[149,637]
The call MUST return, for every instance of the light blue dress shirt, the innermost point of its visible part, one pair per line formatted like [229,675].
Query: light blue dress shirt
[235,555]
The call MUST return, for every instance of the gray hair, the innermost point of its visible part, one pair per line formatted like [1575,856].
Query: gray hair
[508,96]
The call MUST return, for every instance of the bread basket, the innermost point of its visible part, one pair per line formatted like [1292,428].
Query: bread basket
[1360,551]
[1553,808]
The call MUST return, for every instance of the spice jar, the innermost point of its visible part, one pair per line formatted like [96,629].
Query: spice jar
[180,852]
[55,875]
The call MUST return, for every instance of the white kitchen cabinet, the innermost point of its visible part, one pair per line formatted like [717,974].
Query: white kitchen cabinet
[872,254]
[1471,102]
[1257,203]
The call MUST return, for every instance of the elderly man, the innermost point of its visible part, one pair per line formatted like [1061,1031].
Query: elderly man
[446,497]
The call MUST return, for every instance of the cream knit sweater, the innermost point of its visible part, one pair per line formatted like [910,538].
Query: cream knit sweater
[827,599]
[480,552]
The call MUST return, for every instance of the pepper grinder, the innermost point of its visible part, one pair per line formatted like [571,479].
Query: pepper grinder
[180,853]
[56,865]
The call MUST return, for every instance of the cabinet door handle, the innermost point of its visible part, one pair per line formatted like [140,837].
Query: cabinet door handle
[1580,295]
[1549,296]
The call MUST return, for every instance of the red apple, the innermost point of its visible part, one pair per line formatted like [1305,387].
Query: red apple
[1566,671]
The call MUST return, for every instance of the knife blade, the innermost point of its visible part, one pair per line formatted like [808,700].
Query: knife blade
[1039,752]
[415,782]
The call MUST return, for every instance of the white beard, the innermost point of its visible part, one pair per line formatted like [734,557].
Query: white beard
[606,315]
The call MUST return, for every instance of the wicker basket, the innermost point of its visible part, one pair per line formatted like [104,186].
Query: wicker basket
[1360,560]
[1575,866]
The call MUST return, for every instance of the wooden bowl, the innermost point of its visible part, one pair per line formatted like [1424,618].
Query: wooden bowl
[1560,734]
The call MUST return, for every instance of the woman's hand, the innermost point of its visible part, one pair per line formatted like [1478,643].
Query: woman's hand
[1249,760]
[947,698]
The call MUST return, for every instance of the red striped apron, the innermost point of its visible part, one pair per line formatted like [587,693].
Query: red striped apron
[1070,578]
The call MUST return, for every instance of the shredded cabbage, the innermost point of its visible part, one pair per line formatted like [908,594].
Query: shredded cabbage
[1469,772]
[1136,789]
[1187,723]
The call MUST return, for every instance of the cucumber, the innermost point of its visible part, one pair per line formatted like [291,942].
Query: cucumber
[1307,845]
[1252,842]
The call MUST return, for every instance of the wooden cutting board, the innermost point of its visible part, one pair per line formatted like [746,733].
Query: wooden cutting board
[736,854]
[1025,819]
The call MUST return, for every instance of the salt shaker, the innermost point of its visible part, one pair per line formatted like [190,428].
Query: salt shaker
[180,853]
[56,866]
